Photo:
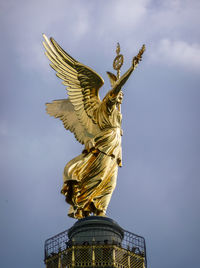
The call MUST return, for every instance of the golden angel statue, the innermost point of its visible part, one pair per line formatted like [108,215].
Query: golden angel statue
[90,178]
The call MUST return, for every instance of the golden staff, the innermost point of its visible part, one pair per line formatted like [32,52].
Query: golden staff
[118,61]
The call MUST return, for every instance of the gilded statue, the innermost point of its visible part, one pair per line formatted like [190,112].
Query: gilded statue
[90,178]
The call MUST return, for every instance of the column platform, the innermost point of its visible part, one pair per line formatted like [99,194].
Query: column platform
[95,242]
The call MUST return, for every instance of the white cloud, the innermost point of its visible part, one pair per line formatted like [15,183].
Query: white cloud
[129,13]
[177,53]
[25,21]
[103,23]
[119,19]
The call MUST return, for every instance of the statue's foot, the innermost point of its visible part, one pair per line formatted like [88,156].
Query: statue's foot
[79,214]
[100,213]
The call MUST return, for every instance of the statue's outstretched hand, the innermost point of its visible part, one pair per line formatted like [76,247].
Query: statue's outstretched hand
[138,58]
[135,62]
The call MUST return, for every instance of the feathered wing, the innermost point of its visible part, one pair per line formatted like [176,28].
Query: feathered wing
[64,110]
[82,83]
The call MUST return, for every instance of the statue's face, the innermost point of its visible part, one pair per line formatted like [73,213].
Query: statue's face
[120,97]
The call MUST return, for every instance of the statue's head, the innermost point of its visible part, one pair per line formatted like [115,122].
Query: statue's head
[120,97]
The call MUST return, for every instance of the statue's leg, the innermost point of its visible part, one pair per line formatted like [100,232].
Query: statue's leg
[106,188]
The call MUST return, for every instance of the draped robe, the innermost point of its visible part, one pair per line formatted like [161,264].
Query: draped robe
[90,178]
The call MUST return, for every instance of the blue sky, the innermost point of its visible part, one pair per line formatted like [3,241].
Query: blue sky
[157,194]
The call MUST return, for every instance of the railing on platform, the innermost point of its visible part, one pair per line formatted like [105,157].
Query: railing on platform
[62,252]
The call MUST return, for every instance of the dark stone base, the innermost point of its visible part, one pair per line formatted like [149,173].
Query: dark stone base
[97,230]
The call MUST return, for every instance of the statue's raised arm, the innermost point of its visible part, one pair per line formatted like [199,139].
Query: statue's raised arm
[122,80]
[90,178]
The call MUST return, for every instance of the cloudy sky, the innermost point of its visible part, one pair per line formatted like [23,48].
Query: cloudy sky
[158,190]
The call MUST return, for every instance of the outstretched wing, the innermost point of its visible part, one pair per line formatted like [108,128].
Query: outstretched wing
[82,83]
[64,110]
